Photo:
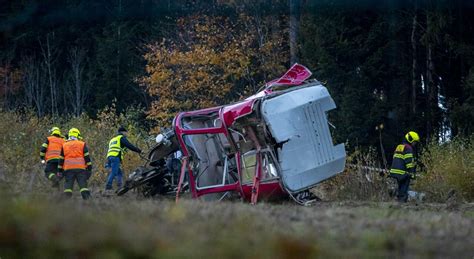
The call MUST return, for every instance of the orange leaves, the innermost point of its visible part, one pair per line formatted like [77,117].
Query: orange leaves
[192,72]
[203,64]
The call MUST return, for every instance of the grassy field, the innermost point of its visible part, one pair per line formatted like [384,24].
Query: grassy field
[43,226]
[35,223]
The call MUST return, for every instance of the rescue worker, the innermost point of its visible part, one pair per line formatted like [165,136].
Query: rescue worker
[118,145]
[403,164]
[76,164]
[49,154]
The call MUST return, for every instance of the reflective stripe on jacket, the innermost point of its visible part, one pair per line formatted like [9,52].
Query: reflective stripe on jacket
[74,155]
[115,148]
[53,150]
[403,160]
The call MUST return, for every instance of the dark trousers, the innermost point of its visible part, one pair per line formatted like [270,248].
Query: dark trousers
[403,181]
[51,172]
[79,175]
[51,169]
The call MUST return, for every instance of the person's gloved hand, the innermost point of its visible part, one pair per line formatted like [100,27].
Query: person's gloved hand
[43,162]
[89,168]
[412,176]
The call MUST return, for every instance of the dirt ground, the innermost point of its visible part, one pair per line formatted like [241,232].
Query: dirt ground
[44,226]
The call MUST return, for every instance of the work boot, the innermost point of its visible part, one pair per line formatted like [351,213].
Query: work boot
[86,195]
[52,177]
[55,183]
[107,192]
[67,195]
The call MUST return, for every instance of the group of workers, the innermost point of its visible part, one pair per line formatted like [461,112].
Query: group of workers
[68,157]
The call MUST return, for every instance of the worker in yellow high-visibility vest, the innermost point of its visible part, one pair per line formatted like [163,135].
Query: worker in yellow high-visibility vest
[117,148]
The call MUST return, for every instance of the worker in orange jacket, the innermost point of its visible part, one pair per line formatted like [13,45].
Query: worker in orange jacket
[76,164]
[50,153]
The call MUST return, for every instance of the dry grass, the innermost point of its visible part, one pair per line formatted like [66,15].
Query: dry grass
[39,226]
[445,172]
[21,135]
[357,183]
[35,223]
[448,170]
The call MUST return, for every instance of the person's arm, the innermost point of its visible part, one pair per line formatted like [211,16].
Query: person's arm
[61,161]
[87,158]
[409,160]
[44,148]
[125,143]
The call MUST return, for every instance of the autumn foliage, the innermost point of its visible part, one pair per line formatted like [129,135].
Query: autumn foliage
[210,62]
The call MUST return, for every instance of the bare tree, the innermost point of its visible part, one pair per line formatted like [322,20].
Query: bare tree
[32,84]
[50,55]
[117,10]
[77,90]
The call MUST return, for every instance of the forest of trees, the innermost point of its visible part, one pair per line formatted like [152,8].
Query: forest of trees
[406,65]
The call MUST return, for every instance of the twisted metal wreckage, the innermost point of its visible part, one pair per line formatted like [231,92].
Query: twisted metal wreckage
[276,143]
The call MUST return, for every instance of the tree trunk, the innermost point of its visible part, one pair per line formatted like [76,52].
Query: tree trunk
[77,92]
[414,80]
[33,87]
[431,83]
[49,56]
[295,13]
[432,102]
[119,38]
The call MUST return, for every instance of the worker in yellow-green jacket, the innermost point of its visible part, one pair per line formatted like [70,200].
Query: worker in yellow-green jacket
[403,164]
[117,148]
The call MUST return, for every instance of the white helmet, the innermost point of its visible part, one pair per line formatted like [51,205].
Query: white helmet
[159,138]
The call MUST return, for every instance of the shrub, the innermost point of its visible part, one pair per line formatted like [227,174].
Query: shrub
[444,170]
[448,168]
[21,135]
[358,182]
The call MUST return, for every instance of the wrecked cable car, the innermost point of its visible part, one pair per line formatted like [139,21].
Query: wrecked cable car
[276,143]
